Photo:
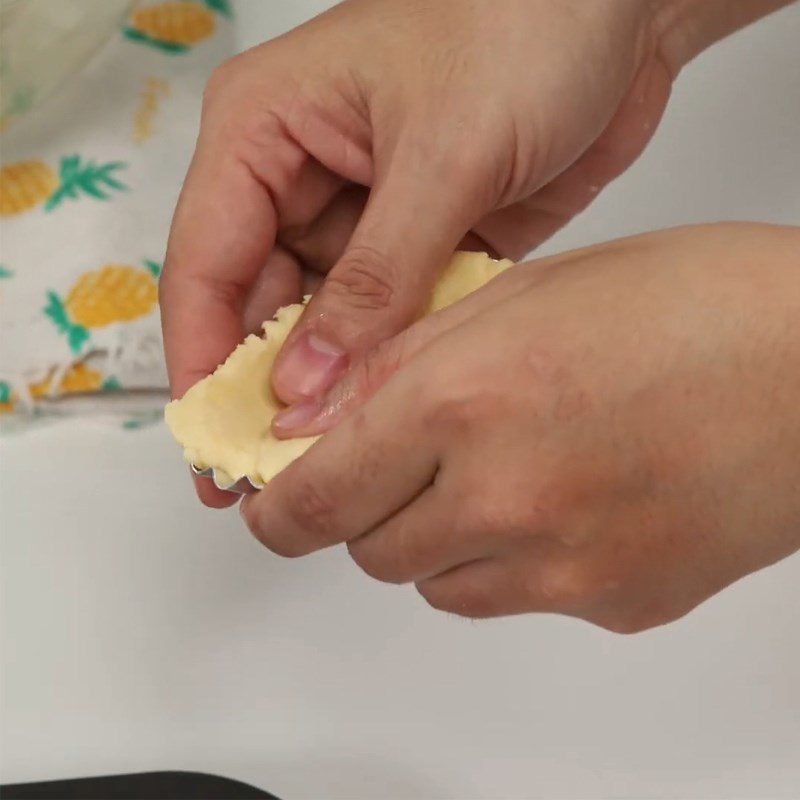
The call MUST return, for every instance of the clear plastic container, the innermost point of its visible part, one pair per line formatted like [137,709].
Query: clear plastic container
[46,42]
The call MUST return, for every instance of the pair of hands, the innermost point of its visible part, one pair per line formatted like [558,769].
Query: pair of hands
[588,433]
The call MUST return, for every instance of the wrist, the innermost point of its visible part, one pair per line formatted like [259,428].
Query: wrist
[685,28]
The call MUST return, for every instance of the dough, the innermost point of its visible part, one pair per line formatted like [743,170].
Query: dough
[224,421]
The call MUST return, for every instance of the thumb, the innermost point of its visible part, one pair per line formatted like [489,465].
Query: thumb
[373,368]
[412,223]
[365,375]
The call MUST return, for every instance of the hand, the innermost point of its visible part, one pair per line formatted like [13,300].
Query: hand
[487,122]
[612,434]
[505,117]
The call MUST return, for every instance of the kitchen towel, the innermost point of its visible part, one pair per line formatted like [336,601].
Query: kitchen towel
[88,184]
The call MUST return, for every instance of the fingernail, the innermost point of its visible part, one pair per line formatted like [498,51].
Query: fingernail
[296,416]
[312,365]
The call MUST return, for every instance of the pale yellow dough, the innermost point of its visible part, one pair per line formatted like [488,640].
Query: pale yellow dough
[224,421]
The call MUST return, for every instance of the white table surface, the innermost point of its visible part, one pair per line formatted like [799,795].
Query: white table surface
[143,632]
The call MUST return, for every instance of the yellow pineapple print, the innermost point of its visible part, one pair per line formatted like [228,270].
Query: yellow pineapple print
[80,378]
[19,102]
[153,91]
[113,293]
[27,184]
[175,25]
[8,399]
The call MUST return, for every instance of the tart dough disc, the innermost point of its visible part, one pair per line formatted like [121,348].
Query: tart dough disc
[224,421]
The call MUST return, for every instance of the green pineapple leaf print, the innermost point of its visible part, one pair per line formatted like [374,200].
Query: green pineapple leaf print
[77,335]
[168,47]
[19,102]
[143,420]
[133,424]
[5,393]
[77,179]
[5,272]
[153,267]
[111,384]
[221,7]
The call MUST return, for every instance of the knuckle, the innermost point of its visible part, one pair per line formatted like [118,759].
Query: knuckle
[364,554]
[435,596]
[284,546]
[398,560]
[370,452]
[298,238]
[312,509]
[365,279]
[267,533]
[456,403]
[567,585]
[372,561]
[222,78]
[458,414]
[228,114]
[376,365]
[627,622]
[466,600]
[484,513]
[457,159]
[496,510]
[412,554]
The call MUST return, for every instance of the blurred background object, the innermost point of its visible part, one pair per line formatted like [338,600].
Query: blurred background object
[94,150]
[46,42]
[141,786]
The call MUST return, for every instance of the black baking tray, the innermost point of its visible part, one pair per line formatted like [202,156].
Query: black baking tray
[137,786]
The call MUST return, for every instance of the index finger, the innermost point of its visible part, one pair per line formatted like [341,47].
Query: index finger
[237,192]
[222,233]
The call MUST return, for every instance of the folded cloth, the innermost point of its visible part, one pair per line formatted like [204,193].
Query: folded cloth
[88,183]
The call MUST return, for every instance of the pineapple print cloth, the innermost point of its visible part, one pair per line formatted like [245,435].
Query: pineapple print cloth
[88,183]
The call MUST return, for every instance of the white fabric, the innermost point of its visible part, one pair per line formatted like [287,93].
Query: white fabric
[137,105]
